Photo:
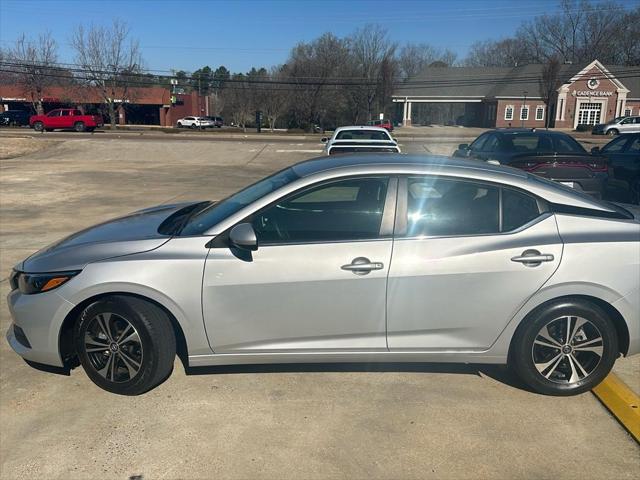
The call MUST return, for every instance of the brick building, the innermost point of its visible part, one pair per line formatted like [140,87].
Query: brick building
[143,106]
[504,97]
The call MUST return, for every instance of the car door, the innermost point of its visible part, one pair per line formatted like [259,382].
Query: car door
[626,125]
[317,281]
[53,119]
[467,255]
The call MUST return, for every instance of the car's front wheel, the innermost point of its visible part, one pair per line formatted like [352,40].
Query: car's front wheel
[38,126]
[565,348]
[613,132]
[126,345]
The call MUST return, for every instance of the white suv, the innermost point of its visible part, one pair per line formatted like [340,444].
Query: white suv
[618,125]
[195,122]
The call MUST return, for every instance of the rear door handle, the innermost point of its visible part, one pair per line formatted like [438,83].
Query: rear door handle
[362,266]
[533,258]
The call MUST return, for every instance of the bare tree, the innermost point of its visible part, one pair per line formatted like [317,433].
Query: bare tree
[110,62]
[370,49]
[34,65]
[549,84]
[508,52]
[238,100]
[276,99]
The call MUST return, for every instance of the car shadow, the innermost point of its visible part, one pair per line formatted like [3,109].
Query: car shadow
[499,373]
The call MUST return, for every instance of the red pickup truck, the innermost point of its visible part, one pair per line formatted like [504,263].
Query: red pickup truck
[65,118]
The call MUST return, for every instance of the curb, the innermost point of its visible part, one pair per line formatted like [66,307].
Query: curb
[622,402]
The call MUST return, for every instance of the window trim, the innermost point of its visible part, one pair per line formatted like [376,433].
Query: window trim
[385,232]
[400,232]
[540,108]
[522,110]
[506,109]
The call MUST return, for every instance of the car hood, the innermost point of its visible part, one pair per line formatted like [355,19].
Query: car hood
[133,233]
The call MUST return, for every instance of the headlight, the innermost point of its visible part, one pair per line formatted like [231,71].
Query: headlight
[30,283]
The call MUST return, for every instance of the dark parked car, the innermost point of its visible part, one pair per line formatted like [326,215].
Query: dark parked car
[217,121]
[553,155]
[623,156]
[14,117]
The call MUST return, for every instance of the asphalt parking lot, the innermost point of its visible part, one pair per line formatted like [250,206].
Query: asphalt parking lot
[321,421]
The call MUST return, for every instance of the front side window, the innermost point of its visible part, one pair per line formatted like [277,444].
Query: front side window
[492,144]
[479,142]
[54,113]
[451,207]
[508,112]
[343,210]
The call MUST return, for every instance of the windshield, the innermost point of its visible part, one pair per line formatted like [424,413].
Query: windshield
[207,218]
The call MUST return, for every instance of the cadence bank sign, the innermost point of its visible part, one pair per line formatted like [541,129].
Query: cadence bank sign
[589,93]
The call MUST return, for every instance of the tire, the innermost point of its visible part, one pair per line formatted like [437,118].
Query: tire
[135,326]
[613,132]
[179,125]
[49,129]
[79,127]
[38,126]
[551,366]
[194,126]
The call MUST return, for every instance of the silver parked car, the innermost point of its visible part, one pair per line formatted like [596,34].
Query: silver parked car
[617,126]
[361,258]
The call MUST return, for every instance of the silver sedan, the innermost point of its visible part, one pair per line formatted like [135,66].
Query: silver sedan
[363,258]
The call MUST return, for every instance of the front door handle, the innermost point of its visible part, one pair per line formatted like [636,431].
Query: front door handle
[362,266]
[533,258]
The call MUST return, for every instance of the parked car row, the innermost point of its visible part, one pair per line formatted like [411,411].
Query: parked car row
[200,122]
[559,157]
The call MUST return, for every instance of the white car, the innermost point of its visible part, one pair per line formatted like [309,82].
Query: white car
[360,139]
[195,122]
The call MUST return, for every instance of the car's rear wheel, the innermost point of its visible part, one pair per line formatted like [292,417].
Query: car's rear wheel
[125,345]
[565,348]
[194,126]
[613,132]
[38,126]
[79,127]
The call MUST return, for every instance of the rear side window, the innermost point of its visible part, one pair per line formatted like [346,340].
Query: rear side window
[439,207]
[517,209]
[635,146]
[447,207]
[567,145]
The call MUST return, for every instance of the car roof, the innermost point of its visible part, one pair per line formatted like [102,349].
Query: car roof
[529,130]
[360,127]
[322,164]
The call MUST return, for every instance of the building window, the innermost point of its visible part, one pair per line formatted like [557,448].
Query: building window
[627,112]
[508,112]
[524,112]
[540,112]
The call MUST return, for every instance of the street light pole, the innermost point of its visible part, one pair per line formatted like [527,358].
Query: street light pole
[524,102]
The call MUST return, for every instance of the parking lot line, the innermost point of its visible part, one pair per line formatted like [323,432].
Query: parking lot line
[622,402]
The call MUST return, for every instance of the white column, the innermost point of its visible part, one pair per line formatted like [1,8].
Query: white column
[404,113]
[409,105]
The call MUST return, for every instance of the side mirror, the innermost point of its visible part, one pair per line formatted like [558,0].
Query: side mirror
[463,146]
[324,139]
[595,150]
[244,236]
[395,140]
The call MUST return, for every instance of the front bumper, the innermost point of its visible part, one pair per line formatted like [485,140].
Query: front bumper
[40,318]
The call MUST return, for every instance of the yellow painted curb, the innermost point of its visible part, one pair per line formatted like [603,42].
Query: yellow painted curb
[622,402]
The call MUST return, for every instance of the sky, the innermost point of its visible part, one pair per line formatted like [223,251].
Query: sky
[240,34]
